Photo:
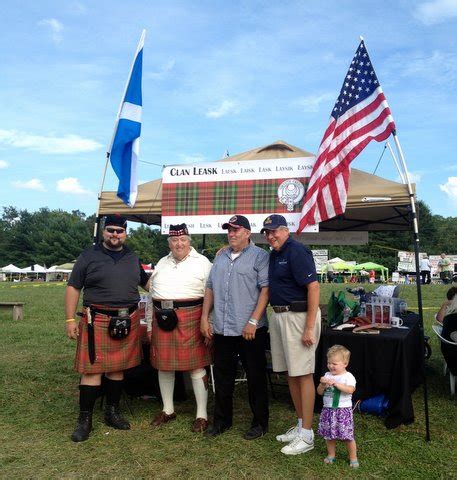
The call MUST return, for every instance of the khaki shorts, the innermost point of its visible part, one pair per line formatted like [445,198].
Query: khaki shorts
[287,350]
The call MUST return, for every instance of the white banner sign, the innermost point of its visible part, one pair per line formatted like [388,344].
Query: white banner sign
[284,196]
[233,171]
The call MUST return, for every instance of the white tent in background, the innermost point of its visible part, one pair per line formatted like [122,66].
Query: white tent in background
[34,269]
[336,260]
[57,269]
[11,269]
[56,273]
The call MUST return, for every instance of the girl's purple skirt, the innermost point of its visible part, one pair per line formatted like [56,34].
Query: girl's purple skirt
[336,424]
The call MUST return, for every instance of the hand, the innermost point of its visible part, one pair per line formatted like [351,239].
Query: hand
[308,338]
[206,329]
[249,331]
[72,330]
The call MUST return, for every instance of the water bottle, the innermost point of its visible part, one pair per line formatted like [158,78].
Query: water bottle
[363,309]
[346,313]
[402,307]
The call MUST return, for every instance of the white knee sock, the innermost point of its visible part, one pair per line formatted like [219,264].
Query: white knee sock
[167,386]
[200,387]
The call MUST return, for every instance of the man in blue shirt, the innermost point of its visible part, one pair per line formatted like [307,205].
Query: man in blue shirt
[294,326]
[238,289]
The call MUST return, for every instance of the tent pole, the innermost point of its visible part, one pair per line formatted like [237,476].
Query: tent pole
[203,243]
[97,215]
[418,278]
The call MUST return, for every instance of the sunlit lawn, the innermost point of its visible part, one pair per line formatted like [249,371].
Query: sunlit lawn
[38,401]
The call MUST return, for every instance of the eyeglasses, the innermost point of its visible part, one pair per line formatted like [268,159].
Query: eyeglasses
[119,231]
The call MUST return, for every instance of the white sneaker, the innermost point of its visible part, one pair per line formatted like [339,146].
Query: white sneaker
[290,435]
[297,446]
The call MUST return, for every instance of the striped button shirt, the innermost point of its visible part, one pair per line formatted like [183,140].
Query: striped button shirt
[236,286]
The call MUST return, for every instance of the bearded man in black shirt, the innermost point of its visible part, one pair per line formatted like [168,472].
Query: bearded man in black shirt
[107,334]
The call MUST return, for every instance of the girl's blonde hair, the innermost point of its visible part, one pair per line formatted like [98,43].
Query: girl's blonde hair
[339,350]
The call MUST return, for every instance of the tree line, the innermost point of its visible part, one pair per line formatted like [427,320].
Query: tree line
[52,237]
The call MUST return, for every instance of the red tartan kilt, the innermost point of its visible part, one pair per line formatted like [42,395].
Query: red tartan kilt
[183,348]
[111,355]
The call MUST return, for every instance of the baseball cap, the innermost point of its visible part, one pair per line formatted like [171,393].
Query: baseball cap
[115,220]
[272,222]
[237,221]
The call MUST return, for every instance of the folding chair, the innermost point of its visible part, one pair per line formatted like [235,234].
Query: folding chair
[438,329]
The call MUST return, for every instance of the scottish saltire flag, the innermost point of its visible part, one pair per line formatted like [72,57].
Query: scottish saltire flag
[125,146]
[360,114]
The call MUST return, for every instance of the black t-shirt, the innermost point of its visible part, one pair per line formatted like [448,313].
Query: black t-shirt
[108,277]
[290,270]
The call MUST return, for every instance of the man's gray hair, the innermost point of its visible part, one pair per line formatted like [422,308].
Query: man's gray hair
[188,236]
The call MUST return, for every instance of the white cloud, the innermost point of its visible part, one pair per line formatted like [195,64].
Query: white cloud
[33,184]
[436,11]
[311,103]
[54,26]
[450,189]
[162,71]
[48,145]
[72,185]
[226,107]
[195,158]
[439,67]
[4,164]
[77,8]
[414,177]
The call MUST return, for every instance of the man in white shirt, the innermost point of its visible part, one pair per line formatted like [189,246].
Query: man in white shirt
[177,290]
[425,269]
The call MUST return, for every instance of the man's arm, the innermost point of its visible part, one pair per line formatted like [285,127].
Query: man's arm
[250,329]
[208,302]
[71,304]
[313,290]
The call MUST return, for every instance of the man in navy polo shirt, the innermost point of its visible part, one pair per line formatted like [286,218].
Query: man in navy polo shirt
[294,326]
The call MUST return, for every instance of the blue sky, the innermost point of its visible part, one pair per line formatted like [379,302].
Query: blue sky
[217,75]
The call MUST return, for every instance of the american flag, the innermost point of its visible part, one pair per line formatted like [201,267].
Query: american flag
[360,114]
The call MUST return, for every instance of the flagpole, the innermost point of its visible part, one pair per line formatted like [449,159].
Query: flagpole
[400,173]
[108,152]
[418,278]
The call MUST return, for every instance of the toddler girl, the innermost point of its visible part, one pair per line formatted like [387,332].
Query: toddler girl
[336,421]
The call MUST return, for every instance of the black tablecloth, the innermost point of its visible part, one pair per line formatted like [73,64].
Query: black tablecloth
[390,362]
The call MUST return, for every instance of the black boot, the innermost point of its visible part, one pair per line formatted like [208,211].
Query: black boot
[88,394]
[114,419]
[83,427]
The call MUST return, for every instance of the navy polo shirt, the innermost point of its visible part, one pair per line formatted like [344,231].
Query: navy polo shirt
[290,270]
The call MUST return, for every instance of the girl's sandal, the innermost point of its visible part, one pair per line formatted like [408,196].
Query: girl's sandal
[329,460]
[354,464]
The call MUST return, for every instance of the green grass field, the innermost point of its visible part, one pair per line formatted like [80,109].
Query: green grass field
[38,403]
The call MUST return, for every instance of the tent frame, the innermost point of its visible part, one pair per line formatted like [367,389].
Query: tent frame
[401,214]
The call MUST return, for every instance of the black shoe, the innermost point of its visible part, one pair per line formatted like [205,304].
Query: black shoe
[83,427]
[114,419]
[255,432]
[215,430]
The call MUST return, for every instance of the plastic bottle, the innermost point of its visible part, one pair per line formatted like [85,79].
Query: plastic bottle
[402,307]
[363,309]
[346,313]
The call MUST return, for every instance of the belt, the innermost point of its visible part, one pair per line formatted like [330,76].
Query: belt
[281,308]
[177,303]
[297,306]
[113,312]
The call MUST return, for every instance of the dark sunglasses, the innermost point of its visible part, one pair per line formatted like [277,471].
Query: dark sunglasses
[115,230]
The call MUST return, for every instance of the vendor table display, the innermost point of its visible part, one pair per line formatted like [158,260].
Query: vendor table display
[390,362]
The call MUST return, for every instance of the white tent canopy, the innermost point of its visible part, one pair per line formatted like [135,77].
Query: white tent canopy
[34,269]
[57,269]
[10,269]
